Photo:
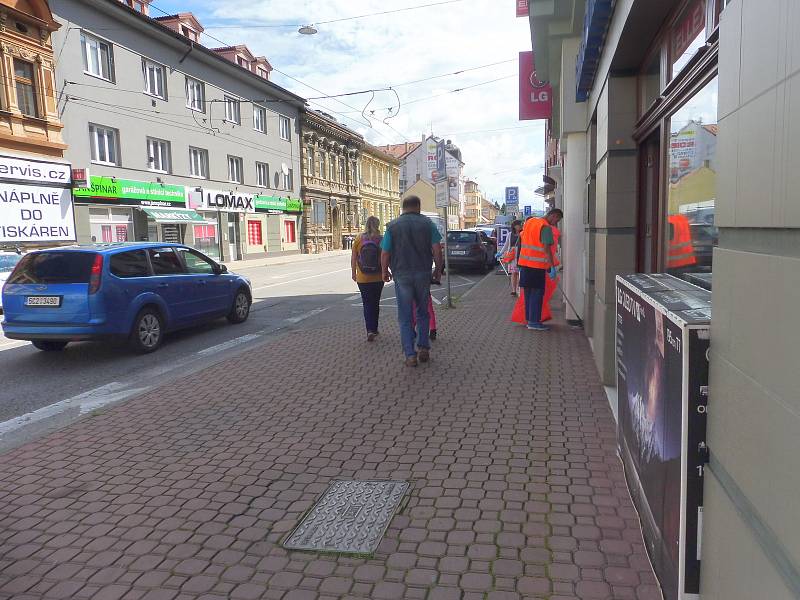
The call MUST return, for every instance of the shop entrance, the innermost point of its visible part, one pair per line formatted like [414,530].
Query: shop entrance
[234,237]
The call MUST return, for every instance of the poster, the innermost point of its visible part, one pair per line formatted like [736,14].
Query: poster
[37,214]
[535,97]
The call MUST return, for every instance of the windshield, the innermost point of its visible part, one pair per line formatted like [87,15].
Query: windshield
[462,237]
[54,267]
[8,262]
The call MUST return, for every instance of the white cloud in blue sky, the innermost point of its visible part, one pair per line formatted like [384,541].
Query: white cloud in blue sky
[388,50]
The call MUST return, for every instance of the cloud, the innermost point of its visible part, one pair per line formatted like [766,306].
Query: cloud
[389,50]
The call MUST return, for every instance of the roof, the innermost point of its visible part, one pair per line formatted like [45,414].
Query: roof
[400,150]
[712,129]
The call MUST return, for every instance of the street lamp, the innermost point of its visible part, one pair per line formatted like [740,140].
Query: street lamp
[307,30]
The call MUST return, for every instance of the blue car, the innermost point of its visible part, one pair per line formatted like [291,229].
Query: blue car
[130,291]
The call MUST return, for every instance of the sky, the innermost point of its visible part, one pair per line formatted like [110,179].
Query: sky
[392,50]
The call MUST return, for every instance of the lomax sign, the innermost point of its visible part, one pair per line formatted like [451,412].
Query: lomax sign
[35,201]
[227,201]
[535,97]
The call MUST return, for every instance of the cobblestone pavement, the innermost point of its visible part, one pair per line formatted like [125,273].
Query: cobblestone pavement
[186,492]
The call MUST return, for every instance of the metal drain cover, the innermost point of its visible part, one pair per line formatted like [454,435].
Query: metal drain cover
[351,517]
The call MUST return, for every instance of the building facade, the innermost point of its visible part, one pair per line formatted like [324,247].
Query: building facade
[379,183]
[678,125]
[182,144]
[332,208]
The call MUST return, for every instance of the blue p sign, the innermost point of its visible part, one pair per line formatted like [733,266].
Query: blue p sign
[512,196]
[527,210]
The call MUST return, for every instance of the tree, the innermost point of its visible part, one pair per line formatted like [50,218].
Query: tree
[502,208]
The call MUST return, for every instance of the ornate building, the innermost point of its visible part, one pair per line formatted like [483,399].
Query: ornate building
[29,120]
[380,184]
[332,207]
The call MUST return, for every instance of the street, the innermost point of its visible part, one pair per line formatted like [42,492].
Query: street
[85,376]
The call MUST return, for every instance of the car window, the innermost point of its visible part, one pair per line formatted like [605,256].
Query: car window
[462,237]
[165,261]
[54,267]
[196,262]
[130,264]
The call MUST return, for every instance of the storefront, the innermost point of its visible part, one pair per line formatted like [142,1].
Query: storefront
[35,203]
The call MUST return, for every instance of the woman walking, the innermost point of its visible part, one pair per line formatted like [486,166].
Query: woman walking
[508,255]
[365,263]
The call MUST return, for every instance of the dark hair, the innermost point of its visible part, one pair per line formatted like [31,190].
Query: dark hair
[514,223]
[556,211]
[411,202]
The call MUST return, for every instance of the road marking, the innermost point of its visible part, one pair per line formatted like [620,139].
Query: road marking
[304,316]
[452,286]
[12,344]
[229,343]
[353,297]
[290,274]
[263,287]
[435,300]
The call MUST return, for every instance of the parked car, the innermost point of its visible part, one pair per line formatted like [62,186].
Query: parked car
[8,260]
[470,249]
[131,291]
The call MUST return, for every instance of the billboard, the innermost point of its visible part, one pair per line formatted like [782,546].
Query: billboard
[437,159]
[535,97]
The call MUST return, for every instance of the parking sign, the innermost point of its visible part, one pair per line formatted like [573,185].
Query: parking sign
[527,211]
[512,197]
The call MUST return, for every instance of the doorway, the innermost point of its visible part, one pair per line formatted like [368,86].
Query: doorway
[648,206]
[233,236]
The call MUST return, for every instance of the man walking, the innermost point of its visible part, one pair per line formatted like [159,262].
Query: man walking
[535,262]
[410,245]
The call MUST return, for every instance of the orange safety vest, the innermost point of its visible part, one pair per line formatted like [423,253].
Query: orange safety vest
[532,252]
[681,251]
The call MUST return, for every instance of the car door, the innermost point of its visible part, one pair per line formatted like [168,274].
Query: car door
[208,288]
[169,282]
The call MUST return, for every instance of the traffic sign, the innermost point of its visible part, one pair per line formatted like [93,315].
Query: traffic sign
[527,210]
[512,197]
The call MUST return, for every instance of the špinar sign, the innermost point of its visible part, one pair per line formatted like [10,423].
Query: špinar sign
[535,97]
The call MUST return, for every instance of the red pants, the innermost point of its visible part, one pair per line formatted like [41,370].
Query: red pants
[518,314]
[431,314]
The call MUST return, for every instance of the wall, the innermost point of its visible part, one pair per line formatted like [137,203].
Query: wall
[754,415]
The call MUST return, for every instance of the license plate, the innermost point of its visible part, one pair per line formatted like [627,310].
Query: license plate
[459,252]
[43,301]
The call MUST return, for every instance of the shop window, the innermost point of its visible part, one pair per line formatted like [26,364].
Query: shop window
[290,236]
[284,127]
[260,119]
[155,79]
[98,57]
[254,233]
[165,261]
[262,174]
[26,87]
[195,95]
[104,143]
[233,110]
[688,35]
[690,233]
[205,239]
[158,155]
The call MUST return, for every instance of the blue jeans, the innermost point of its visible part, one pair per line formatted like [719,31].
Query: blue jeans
[533,305]
[411,288]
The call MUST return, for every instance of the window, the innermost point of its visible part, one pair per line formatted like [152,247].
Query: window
[321,172]
[320,210]
[165,261]
[138,5]
[262,174]
[289,230]
[254,233]
[130,264]
[158,158]
[242,62]
[310,159]
[196,263]
[690,234]
[104,142]
[688,35]
[198,162]
[195,95]
[154,79]
[98,58]
[332,169]
[233,112]
[260,118]
[235,169]
[284,127]
[341,171]
[288,180]
[190,33]
[26,91]
[263,73]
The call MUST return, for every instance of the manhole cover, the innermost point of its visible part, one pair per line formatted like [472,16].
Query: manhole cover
[351,517]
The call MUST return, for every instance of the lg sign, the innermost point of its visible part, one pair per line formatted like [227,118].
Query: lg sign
[535,97]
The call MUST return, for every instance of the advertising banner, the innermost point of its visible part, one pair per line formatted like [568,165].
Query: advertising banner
[225,201]
[264,203]
[453,171]
[535,97]
[662,375]
[522,8]
[30,213]
[431,147]
[111,190]
[18,168]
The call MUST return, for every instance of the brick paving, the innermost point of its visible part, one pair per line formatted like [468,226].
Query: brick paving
[186,492]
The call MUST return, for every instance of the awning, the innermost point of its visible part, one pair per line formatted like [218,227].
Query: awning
[174,215]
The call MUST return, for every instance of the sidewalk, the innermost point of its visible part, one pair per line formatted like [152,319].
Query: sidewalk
[516,490]
[283,259]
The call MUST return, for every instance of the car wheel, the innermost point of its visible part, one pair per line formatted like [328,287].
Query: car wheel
[148,331]
[49,345]
[241,307]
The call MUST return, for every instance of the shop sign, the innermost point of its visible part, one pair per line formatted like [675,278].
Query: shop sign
[687,30]
[276,203]
[30,213]
[17,168]
[226,201]
[178,215]
[138,192]
[535,97]
[522,8]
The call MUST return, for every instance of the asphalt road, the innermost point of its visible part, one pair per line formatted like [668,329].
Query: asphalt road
[42,390]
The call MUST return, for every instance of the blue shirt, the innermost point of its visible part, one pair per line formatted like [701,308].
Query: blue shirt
[386,244]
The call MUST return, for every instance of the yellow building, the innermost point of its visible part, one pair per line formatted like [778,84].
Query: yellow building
[29,120]
[489,211]
[427,195]
[379,184]
[473,204]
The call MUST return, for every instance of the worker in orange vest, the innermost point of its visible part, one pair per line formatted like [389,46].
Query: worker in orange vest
[535,262]
[681,250]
